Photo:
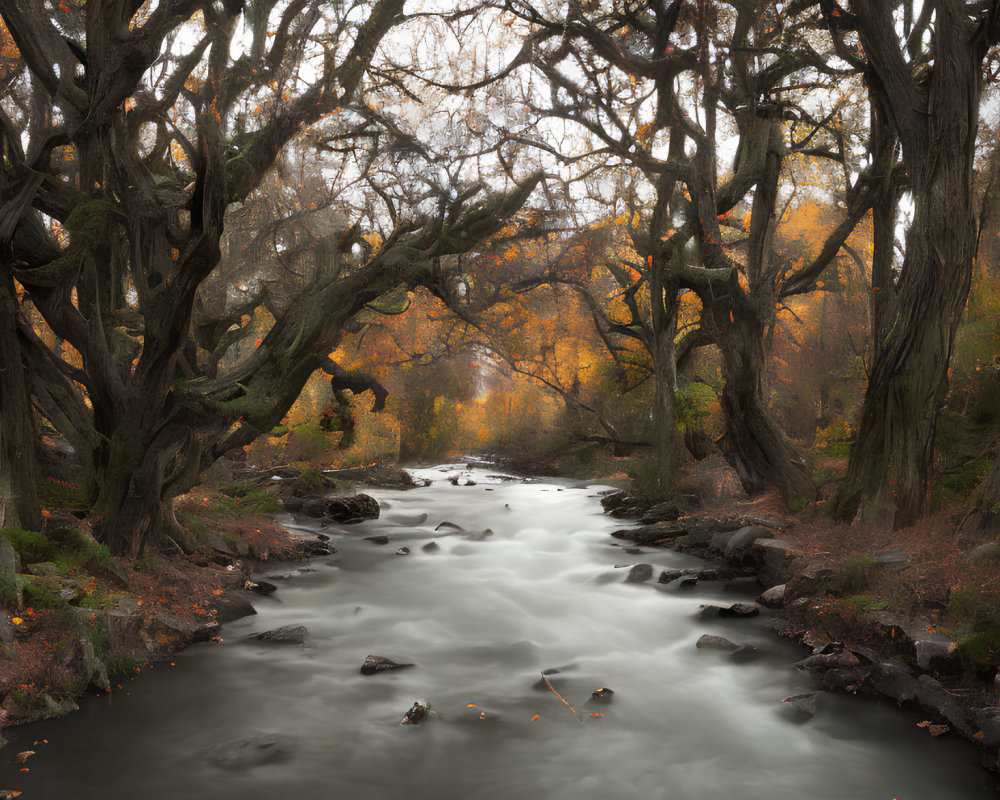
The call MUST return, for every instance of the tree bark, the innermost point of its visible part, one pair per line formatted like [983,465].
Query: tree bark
[936,117]
[18,463]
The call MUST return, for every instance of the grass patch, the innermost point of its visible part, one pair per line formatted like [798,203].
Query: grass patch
[53,493]
[861,603]
[255,503]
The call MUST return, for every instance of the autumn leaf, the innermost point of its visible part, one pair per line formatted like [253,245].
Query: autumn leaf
[24,755]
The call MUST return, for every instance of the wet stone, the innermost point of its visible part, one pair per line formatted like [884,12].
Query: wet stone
[602,695]
[739,652]
[319,549]
[431,547]
[773,597]
[377,539]
[286,634]
[260,587]
[800,707]
[418,713]
[734,610]
[374,664]
[403,551]
[640,573]
[266,748]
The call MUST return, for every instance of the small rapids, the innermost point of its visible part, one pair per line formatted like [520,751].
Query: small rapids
[480,617]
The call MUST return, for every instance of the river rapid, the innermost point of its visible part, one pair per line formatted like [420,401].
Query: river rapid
[481,617]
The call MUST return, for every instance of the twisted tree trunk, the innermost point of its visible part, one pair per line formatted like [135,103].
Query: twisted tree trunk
[935,113]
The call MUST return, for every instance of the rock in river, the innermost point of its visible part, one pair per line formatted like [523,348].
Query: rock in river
[353,509]
[734,610]
[375,664]
[418,713]
[266,748]
[640,573]
[286,634]
[724,645]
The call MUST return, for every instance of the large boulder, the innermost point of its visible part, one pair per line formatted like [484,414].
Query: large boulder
[231,606]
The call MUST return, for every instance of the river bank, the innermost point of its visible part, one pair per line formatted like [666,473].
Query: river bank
[75,620]
[907,615]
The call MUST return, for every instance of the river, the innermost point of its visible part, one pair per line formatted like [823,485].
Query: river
[481,617]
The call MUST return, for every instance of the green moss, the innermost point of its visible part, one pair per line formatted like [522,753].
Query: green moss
[959,485]
[981,651]
[238,489]
[312,478]
[52,494]
[255,503]
[8,590]
[39,593]
[198,528]
[973,610]
[861,603]
[122,668]
[30,545]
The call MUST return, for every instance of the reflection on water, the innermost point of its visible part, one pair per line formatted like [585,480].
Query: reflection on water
[481,617]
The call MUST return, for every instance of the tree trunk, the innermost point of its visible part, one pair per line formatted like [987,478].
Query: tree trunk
[936,119]
[667,438]
[18,465]
[754,444]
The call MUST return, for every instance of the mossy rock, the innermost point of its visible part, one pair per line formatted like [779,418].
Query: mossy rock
[31,546]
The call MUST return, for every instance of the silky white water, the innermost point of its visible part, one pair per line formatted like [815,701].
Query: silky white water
[480,618]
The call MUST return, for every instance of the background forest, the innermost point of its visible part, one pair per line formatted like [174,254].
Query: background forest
[753,241]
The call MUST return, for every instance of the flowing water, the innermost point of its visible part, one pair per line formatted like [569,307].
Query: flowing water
[480,618]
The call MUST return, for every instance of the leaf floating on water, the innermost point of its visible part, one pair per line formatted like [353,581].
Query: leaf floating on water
[536,718]
[24,755]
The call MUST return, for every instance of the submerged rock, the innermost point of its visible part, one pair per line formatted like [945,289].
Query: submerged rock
[431,547]
[724,645]
[377,539]
[799,708]
[375,664]
[640,573]
[286,634]
[253,751]
[603,695]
